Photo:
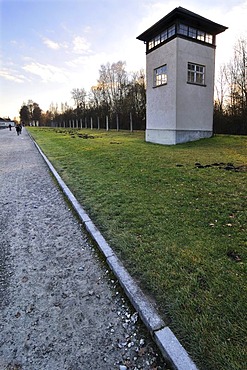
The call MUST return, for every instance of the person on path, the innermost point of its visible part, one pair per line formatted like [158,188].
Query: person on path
[9,127]
[18,129]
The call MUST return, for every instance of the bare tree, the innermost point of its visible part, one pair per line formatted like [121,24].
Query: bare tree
[111,86]
[236,76]
[79,96]
[221,89]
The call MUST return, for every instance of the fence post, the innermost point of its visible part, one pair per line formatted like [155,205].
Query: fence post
[117,123]
[107,124]
[98,123]
[131,123]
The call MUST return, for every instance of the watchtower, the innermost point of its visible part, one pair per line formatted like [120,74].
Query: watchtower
[180,64]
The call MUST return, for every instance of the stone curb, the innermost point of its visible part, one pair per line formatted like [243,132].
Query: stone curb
[146,311]
[167,342]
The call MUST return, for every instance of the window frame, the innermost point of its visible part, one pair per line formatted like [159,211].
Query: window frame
[209,39]
[160,76]
[198,71]
[151,44]
[163,36]
[180,29]
[171,31]
[192,33]
[195,33]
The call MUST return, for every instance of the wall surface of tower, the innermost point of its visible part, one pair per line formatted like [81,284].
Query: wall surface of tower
[179,111]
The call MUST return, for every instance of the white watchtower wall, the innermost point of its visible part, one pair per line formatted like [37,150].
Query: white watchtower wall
[178,111]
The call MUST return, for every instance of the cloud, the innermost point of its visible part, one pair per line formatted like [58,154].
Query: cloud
[81,45]
[12,75]
[47,72]
[88,29]
[51,44]
[78,61]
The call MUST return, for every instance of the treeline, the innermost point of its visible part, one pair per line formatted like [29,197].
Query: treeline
[30,113]
[230,108]
[118,101]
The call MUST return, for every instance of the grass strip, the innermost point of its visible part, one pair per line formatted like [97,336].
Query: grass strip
[177,217]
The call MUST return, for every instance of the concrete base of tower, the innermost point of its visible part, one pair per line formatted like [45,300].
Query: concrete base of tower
[172,137]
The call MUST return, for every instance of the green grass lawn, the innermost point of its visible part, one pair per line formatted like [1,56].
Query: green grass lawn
[180,230]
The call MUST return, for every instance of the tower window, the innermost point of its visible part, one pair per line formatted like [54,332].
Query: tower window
[151,44]
[163,36]
[196,74]
[180,29]
[160,76]
[183,29]
[200,35]
[157,40]
[192,33]
[209,38]
[171,31]
[195,33]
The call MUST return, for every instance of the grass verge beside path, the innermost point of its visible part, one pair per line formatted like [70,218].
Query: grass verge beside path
[179,227]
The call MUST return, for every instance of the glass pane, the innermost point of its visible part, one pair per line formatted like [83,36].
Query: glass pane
[151,44]
[164,78]
[209,38]
[190,76]
[171,31]
[157,40]
[199,78]
[200,35]
[199,69]
[192,32]
[183,29]
[163,36]
[191,67]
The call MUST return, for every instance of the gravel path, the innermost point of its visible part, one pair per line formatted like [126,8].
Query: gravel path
[61,309]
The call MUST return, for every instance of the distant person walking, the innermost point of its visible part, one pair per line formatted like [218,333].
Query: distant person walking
[9,127]
[18,129]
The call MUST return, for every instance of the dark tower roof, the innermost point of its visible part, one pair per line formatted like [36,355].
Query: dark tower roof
[185,16]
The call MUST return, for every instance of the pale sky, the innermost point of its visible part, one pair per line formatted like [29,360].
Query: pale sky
[49,47]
